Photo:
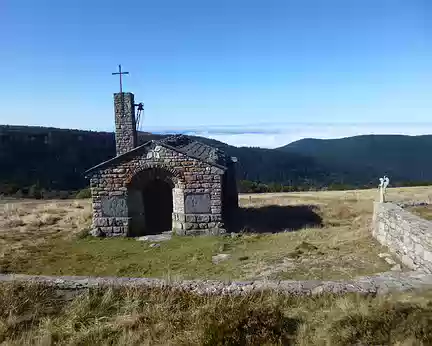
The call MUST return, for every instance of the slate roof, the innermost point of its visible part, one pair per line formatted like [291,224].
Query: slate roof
[182,144]
[198,150]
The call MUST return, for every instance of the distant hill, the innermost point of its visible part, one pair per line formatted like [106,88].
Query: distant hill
[401,157]
[55,159]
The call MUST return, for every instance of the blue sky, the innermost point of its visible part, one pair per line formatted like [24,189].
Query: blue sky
[261,73]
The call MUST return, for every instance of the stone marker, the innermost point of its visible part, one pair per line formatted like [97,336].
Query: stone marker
[396,268]
[220,257]
[156,237]
[382,187]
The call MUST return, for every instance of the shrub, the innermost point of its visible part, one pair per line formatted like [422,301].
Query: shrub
[82,234]
[84,193]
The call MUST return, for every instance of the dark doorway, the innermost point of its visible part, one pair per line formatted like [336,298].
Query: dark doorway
[150,202]
[158,206]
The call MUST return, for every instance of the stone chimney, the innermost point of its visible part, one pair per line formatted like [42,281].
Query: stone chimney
[125,133]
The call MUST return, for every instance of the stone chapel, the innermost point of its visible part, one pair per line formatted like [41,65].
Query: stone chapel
[173,184]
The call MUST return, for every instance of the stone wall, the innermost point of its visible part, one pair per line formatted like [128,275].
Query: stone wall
[197,191]
[405,234]
[378,284]
[125,123]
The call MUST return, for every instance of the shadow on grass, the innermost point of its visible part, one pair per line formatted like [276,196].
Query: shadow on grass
[275,219]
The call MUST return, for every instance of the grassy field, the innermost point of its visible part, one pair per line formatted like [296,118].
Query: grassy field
[34,315]
[329,237]
[326,236]
[424,212]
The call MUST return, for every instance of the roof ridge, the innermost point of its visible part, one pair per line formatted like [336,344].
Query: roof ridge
[183,144]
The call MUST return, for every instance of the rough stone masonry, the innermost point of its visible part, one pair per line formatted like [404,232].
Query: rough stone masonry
[405,234]
[125,124]
[175,183]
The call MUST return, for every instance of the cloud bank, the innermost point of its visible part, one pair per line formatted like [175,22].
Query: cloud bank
[276,135]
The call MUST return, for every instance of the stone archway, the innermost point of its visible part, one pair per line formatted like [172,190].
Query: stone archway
[151,201]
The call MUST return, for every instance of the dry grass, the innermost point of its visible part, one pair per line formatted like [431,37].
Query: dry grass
[420,193]
[45,238]
[36,237]
[424,212]
[34,315]
[28,224]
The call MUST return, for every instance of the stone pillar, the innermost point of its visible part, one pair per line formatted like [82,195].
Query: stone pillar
[125,123]
[178,216]
[381,195]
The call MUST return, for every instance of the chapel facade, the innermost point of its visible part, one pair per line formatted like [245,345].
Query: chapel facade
[173,184]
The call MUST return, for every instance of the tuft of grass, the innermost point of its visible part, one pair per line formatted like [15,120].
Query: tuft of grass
[45,219]
[305,248]
[13,223]
[83,234]
[252,326]
[386,325]
[38,315]
[83,194]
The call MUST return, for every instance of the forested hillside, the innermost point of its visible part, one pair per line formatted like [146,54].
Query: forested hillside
[55,159]
[402,157]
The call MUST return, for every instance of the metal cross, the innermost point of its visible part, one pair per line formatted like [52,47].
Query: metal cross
[120,73]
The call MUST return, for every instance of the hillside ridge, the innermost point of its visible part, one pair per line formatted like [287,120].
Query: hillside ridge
[55,158]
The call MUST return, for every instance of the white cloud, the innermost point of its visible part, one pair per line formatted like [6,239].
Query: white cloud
[283,136]
[276,135]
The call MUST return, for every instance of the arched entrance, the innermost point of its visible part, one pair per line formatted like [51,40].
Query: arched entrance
[158,206]
[150,202]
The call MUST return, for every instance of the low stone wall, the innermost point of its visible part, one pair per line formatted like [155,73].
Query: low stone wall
[379,284]
[407,204]
[405,234]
